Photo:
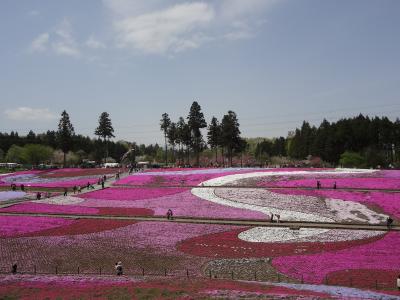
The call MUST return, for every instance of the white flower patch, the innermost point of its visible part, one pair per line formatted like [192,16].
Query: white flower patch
[268,235]
[61,200]
[229,179]
[353,211]
[274,201]
[291,208]
[287,215]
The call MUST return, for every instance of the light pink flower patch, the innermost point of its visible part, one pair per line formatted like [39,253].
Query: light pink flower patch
[388,202]
[131,194]
[182,204]
[11,226]
[177,179]
[362,183]
[30,207]
[379,255]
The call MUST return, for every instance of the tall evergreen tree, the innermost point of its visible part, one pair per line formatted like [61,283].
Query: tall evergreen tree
[65,134]
[230,137]
[165,122]
[214,136]
[196,122]
[172,137]
[105,130]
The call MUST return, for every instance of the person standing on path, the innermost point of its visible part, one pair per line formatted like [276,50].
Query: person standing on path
[398,282]
[65,192]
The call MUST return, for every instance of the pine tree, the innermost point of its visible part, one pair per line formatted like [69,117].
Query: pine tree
[172,137]
[65,134]
[196,121]
[230,136]
[214,136]
[165,122]
[105,130]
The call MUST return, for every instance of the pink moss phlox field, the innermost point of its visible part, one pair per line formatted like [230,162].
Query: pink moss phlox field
[182,204]
[131,194]
[163,236]
[381,254]
[29,207]
[388,202]
[174,178]
[362,182]
[11,226]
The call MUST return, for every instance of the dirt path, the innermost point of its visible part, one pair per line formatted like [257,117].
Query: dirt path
[239,222]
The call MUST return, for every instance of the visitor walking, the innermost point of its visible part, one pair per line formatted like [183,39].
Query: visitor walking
[272,218]
[13,187]
[170,214]
[398,282]
[102,184]
[278,218]
[38,196]
[14,268]
[74,189]
[334,185]
[318,185]
[22,187]
[389,222]
[118,268]
[65,192]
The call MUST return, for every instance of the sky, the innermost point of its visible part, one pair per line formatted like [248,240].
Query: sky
[273,62]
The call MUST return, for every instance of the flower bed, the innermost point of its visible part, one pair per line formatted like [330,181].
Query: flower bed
[82,226]
[389,203]
[361,183]
[39,179]
[14,226]
[83,287]
[377,255]
[5,196]
[32,207]
[177,178]
[76,172]
[131,194]
[181,203]
[228,245]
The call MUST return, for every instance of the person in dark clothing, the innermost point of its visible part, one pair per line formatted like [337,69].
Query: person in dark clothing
[169,214]
[334,185]
[102,184]
[22,187]
[38,196]
[65,192]
[389,222]
[14,269]
[318,184]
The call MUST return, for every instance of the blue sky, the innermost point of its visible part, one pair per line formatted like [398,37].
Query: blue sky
[273,62]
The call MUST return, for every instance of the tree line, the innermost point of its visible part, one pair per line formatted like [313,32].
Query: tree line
[187,136]
[64,147]
[359,141]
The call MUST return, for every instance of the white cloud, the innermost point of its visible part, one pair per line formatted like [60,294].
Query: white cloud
[29,114]
[60,40]
[173,29]
[94,43]
[64,42]
[152,27]
[40,43]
